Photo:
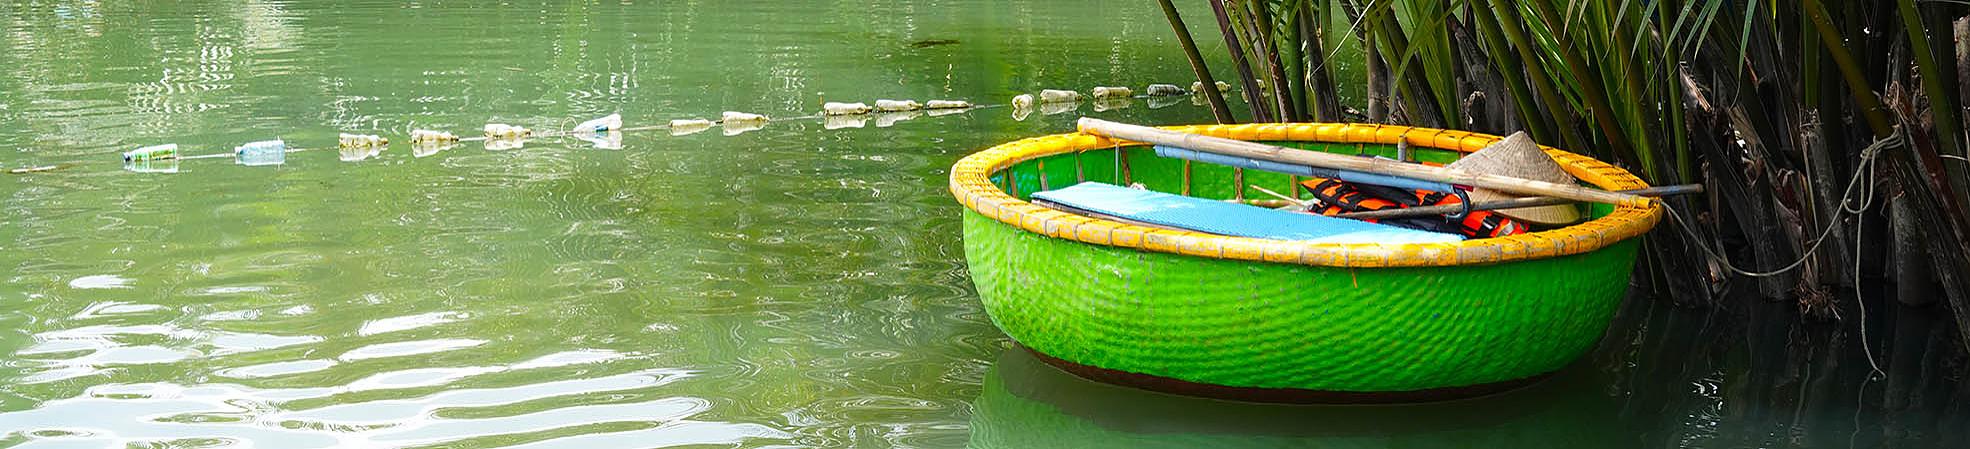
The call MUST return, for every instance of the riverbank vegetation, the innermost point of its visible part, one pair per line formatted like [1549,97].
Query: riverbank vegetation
[1831,135]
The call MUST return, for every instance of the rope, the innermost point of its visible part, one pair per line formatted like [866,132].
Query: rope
[562,132]
[542,135]
[1846,197]
[230,154]
[1864,170]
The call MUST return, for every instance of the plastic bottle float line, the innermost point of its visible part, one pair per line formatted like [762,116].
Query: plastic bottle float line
[605,132]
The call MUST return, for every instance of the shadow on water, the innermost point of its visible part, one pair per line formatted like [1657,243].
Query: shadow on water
[1746,375]
[1027,403]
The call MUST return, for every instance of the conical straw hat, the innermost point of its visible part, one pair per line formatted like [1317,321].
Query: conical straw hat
[1517,156]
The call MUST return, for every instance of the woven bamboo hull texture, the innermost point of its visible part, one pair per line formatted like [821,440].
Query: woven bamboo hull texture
[1268,325]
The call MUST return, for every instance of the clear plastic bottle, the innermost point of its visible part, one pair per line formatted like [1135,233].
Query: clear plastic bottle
[681,127]
[733,128]
[362,140]
[505,131]
[265,152]
[152,166]
[897,105]
[731,117]
[1113,92]
[152,153]
[832,108]
[427,137]
[1165,90]
[1059,96]
[947,104]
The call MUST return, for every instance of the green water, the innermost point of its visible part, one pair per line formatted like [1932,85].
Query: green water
[792,286]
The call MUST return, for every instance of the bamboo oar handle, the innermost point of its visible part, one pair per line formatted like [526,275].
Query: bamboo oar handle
[1274,153]
[1514,203]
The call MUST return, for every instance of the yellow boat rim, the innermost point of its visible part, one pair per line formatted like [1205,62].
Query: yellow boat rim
[972,185]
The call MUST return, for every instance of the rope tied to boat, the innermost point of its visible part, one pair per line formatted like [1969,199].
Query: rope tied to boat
[1865,170]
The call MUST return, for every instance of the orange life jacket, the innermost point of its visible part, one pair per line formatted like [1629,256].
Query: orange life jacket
[1333,197]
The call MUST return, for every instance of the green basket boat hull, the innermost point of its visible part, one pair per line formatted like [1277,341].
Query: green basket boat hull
[1277,320]
[1299,332]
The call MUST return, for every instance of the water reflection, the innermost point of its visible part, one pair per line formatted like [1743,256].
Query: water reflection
[1026,403]
[802,285]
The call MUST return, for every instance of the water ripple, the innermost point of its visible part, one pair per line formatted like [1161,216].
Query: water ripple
[788,286]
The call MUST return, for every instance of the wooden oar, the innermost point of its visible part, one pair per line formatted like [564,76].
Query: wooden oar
[1513,203]
[1273,153]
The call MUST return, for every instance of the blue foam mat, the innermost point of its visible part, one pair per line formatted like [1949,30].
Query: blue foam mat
[1224,218]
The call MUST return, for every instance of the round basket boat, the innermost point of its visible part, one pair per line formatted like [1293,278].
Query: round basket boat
[1280,320]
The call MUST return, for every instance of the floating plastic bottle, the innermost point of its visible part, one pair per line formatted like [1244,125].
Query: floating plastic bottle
[265,152]
[1197,87]
[424,142]
[1165,90]
[152,153]
[897,105]
[730,117]
[733,128]
[683,127]
[1059,96]
[1113,92]
[607,123]
[429,137]
[736,123]
[947,104]
[1023,101]
[888,119]
[832,108]
[151,165]
[361,140]
[844,121]
[1113,103]
[944,111]
[505,131]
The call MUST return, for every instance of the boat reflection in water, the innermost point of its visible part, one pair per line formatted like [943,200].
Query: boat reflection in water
[1027,404]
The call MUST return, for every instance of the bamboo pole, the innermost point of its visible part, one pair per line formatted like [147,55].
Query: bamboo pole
[1513,203]
[1361,164]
